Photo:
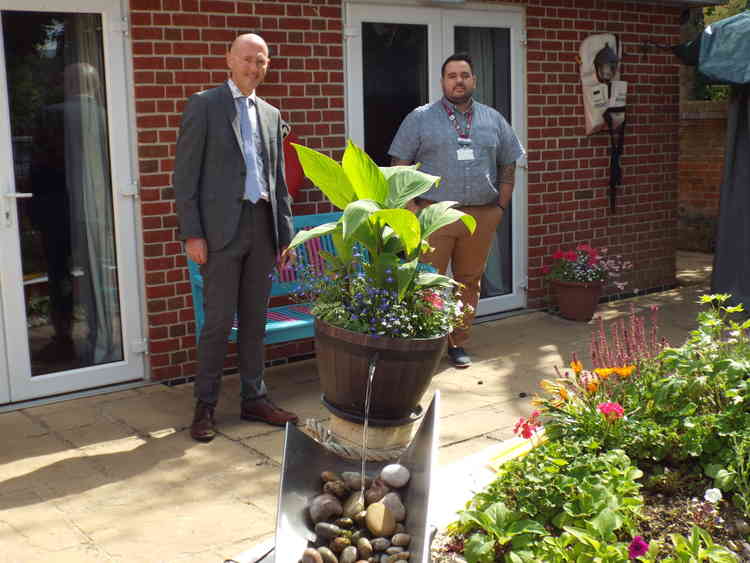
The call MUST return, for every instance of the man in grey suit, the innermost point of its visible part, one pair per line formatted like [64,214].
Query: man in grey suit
[235,217]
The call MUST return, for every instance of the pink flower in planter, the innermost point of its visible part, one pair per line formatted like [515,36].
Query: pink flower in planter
[637,547]
[434,299]
[611,411]
[525,427]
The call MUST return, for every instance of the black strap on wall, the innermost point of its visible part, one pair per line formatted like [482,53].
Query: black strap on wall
[617,141]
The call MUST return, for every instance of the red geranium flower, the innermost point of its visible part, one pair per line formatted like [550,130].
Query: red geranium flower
[434,299]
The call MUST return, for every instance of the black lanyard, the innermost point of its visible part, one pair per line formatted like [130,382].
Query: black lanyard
[454,121]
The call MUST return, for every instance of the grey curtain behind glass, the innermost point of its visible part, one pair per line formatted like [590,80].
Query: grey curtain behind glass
[732,258]
[88,175]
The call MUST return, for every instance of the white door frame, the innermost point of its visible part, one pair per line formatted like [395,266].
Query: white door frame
[441,22]
[19,382]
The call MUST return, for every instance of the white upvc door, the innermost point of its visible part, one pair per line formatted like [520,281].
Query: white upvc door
[393,59]
[70,303]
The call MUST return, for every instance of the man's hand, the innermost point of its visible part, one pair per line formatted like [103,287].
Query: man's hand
[285,259]
[412,206]
[197,250]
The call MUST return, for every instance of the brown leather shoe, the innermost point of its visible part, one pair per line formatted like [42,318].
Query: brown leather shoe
[203,428]
[263,410]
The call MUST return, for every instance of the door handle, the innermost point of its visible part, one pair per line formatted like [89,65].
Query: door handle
[8,208]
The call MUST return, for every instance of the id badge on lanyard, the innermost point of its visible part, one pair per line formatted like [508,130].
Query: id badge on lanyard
[465,150]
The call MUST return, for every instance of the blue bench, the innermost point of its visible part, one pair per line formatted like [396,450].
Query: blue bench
[287,322]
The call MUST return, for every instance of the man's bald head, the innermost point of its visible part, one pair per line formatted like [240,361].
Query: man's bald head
[249,37]
[248,60]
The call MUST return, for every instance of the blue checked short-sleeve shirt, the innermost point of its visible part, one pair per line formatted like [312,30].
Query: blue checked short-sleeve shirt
[428,137]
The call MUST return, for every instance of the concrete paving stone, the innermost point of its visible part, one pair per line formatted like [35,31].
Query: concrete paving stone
[454,452]
[101,437]
[167,533]
[66,419]
[26,464]
[84,553]
[18,426]
[303,399]
[454,398]
[26,519]
[270,445]
[233,550]
[459,427]
[152,412]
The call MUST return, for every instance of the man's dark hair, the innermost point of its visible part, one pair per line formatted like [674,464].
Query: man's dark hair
[458,57]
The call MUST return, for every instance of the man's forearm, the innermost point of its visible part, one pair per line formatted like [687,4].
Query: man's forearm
[398,162]
[506,175]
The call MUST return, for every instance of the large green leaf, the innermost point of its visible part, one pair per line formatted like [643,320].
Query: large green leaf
[404,224]
[357,213]
[304,235]
[479,549]
[365,176]
[343,250]
[606,522]
[431,279]
[406,273]
[405,183]
[326,174]
[384,270]
[440,214]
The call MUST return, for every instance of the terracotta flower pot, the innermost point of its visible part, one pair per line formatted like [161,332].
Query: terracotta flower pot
[403,372]
[577,300]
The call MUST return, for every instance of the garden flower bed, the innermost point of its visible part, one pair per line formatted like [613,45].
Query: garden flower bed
[647,455]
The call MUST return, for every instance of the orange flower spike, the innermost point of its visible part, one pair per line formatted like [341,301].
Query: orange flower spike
[625,371]
[548,386]
[538,402]
[592,384]
[563,393]
[576,366]
[604,373]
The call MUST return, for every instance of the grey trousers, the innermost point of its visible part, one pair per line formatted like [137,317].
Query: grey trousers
[237,278]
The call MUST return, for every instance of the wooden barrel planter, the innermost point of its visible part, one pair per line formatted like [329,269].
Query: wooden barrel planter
[404,370]
[577,300]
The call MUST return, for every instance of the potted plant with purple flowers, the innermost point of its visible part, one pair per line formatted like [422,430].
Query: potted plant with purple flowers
[373,297]
[579,276]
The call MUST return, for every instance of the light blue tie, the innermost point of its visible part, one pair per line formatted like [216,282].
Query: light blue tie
[252,183]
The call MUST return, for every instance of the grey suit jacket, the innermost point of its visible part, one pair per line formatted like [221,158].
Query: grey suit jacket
[209,175]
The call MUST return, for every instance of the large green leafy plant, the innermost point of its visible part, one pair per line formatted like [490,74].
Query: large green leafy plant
[374,282]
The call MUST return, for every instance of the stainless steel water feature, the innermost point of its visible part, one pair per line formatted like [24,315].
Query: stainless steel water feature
[305,459]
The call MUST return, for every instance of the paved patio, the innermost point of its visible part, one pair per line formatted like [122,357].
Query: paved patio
[117,478]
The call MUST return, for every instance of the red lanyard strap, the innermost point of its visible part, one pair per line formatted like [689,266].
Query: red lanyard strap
[456,126]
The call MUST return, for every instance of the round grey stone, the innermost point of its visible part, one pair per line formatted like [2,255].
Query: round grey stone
[326,530]
[349,555]
[395,475]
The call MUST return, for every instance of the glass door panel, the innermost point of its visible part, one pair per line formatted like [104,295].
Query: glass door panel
[490,51]
[493,39]
[59,130]
[393,66]
[62,226]
[391,89]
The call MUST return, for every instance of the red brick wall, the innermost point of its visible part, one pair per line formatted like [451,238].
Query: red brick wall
[703,127]
[179,46]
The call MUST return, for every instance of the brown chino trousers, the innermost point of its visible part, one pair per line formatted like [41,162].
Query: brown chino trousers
[467,255]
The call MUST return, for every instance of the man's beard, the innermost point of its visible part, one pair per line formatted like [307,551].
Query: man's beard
[457,100]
